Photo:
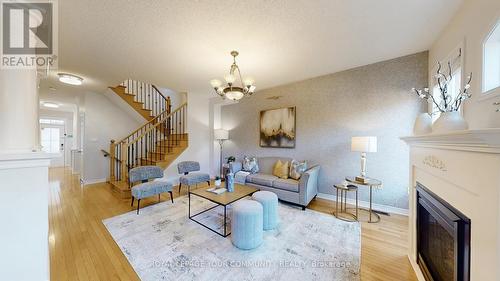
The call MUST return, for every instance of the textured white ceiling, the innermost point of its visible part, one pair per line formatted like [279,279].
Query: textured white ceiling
[183,44]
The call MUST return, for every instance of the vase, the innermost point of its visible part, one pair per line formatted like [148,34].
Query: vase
[218,182]
[230,182]
[448,122]
[423,124]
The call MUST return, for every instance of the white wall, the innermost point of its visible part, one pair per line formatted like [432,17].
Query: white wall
[472,23]
[104,121]
[175,98]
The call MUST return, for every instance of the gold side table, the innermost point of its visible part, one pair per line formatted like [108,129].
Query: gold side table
[342,189]
[370,183]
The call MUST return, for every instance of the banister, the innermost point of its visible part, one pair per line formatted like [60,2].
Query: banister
[157,124]
[159,92]
[150,121]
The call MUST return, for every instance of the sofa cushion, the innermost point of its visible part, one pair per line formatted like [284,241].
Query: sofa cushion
[281,169]
[266,164]
[250,164]
[297,169]
[262,179]
[286,184]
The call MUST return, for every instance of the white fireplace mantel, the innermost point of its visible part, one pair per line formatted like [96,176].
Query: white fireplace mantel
[462,168]
[484,140]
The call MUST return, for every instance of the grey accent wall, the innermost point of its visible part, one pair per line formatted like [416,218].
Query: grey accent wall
[372,100]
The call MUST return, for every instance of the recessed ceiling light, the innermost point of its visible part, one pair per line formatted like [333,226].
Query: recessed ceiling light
[51,105]
[70,79]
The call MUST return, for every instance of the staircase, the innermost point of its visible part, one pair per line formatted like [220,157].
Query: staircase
[158,142]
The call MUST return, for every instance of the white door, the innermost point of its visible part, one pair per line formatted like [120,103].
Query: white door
[52,138]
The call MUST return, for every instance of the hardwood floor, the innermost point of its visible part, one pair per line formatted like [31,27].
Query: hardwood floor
[82,249]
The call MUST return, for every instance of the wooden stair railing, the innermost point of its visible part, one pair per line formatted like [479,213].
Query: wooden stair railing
[145,98]
[149,144]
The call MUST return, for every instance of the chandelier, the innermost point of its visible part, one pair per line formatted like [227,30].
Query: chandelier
[233,89]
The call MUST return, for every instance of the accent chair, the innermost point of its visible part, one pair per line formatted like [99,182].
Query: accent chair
[148,188]
[191,174]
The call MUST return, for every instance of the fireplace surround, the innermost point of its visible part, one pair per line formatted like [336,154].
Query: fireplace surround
[460,169]
[443,238]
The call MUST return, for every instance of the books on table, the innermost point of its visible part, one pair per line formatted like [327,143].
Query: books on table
[217,190]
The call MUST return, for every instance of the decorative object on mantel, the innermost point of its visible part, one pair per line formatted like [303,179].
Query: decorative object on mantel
[450,118]
[423,124]
[363,145]
[277,128]
[233,91]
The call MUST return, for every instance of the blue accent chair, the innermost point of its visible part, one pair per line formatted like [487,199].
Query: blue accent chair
[148,188]
[191,176]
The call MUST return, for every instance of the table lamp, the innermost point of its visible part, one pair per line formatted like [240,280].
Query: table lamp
[363,145]
[221,135]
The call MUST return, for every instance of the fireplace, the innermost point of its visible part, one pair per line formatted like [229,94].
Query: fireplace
[443,239]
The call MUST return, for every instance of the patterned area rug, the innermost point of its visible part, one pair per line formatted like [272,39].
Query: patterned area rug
[161,243]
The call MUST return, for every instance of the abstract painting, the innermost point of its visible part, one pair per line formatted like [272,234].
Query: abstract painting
[277,128]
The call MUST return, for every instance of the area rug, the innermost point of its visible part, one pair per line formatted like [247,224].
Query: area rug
[161,243]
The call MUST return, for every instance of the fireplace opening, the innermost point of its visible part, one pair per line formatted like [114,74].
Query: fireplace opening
[443,239]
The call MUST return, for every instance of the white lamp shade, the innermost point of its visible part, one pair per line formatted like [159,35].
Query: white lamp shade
[221,134]
[364,144]
[234,95]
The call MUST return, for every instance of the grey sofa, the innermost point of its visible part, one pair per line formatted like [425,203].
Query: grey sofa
[299,192]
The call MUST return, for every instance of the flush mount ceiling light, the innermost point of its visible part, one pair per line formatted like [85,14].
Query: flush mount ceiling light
[236,88]
[70,79]
[51,105]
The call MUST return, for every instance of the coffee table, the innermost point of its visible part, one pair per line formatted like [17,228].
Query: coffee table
[224,199]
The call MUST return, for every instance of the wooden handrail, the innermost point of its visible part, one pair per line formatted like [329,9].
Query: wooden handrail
[150,121]
[106,154]
[157,124]
[159,92]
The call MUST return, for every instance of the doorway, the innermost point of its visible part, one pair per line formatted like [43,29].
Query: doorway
[52,138]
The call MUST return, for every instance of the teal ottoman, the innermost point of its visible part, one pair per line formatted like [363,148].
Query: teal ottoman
[269,203]
[246,224]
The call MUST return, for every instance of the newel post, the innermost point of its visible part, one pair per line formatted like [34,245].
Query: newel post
[112,160]
[124,158]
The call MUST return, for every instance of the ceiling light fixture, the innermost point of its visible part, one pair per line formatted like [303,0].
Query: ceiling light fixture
[50,104]
[232,90]
[70,79]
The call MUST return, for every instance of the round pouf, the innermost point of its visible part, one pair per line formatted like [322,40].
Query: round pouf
[246,224]
[269,202]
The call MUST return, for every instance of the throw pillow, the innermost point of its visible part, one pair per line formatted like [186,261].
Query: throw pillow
[297,169]
[281,169]
[250,164]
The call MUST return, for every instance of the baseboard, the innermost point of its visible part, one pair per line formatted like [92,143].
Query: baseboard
[86,182]
[365,204]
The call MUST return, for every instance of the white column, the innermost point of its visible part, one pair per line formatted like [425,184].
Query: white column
[19,105]
[23,181]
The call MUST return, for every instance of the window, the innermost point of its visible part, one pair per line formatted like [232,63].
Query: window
[51,140]
[491,60]
[52,121]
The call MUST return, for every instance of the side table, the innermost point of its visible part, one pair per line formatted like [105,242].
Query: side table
[370,183]
[343,202]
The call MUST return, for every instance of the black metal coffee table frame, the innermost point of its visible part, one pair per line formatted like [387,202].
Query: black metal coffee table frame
[192,217]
